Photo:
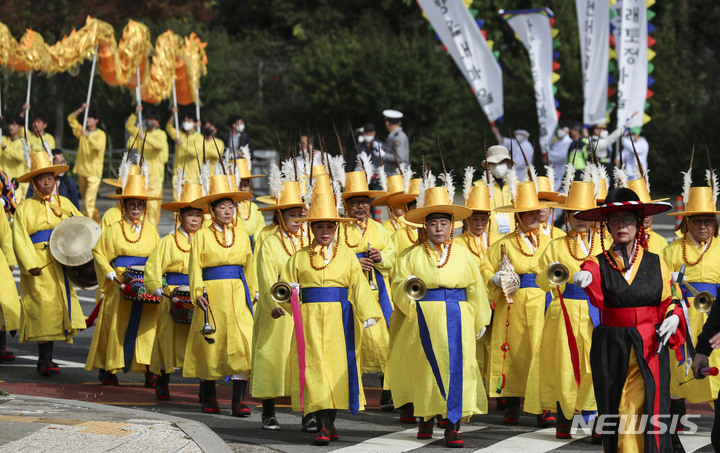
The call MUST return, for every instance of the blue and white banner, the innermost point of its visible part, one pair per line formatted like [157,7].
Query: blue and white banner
[593,18]
[460,34]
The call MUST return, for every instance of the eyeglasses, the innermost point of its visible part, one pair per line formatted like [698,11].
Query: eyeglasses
[625,220]
[703,221]
[360,202]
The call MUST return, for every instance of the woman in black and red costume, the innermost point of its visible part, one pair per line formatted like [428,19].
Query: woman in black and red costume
[632,289]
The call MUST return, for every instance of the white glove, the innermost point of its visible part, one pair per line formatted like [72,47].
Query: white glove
[582,279]
[675,276]
[369,323]
[497,278]
[296,286]
[158,292]
[257,296]
[481,333]
[668,327]
[112,276]
[409,278]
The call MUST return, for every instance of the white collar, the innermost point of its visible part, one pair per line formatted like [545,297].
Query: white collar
[329,249]
[445,249]
[135,227]
[697,244]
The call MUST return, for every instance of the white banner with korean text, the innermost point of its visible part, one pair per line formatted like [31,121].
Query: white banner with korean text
[593,18]
[632,54]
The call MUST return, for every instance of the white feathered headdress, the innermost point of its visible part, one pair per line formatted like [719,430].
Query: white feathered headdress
[426,182]
[275,180]
[407,175]
[364,160]
[179,181]
[621,177]
[512,181]
[382,176]
[569,176]
[337,167]
[289,170]
[245,151]
[449,184]
[124,169]
[468,181]
[712,181]
[550,173]
[205,177]
[687,183]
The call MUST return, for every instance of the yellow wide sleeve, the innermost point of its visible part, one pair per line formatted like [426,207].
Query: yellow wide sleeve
[154,267]
[75,125]
[23,246]
[6,240]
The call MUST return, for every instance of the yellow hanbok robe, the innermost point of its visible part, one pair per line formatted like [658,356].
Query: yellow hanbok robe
[404,238]
[50,308]
[656,243]
[552,377]
[13,163]
[327,338]
[412,377]
[168,350]
[376,341]
[185,155]
[111,216]
[9,299]
[272,337]
[526,315]
[391,225]
[89,164]
[703,276]
[551,231]
[36,142]
[230,301]
[114,347]
[253,219]
[268,230]
[501,222]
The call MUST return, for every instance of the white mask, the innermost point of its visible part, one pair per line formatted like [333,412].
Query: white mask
[361,139]
[561,133]
[188,126]
[240,127]
[603,133]
[369,138]
[499,171]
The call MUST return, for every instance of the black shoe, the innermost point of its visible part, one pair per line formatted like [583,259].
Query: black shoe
[425,429]
[322,437]
[151,380]
[386,401]
[108,378]
[6,356]
[270,423]
[48,368]
[309,424]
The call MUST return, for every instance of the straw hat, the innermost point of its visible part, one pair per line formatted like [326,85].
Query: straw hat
[116,182]
[545,191]
[411,195]
[40,164]
[289,198]
[219,188]
[134,188]
[395,186]
[191,191]
[356,185]
[640,187]
[437,200]
[622,199]
[526,199]
[700,201]
[496,154]
[323,209]
[244,169]
[581,197]
[479,198]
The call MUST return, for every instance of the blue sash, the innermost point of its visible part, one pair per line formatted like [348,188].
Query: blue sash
[573,291]
[177,279]
[452,298]
[229,272]
[383,296]
[712,288]
[135,310]
[67,296]
[252,244]
[41,236]
[528,281]
[127,261]
[337,294]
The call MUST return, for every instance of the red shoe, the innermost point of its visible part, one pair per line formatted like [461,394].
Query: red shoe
[441,422]
[240,409]
[48,368]
[210,407]
[562,431]
[6,356]
[407,416]
[108,378]
[512,415]
[545,420]
[150,380]
[323,437]
[453,440]
[333,433]
[162,392]
[425,429]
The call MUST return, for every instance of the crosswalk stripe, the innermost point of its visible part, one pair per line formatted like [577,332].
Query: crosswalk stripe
[693,442]
[537,441]
[400,441]
[65,363]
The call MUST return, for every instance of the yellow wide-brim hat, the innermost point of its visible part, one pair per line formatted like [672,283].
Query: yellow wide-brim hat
[602,191]
[580,197]
[289,198]
[356,186]
[191,191]
[404,198]
[700,201]
[266,199]
[244,169]
[437,201]
[545,189]
[639,186]
[39,165]
[526,199]
[134,188]
[219,189]
[323,209]
[133,169]
[395,186]
[479,198]
[322,184]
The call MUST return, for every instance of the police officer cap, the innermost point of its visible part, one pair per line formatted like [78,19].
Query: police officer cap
[392,114]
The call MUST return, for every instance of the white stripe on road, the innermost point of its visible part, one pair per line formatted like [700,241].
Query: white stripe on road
[537,441]
[693,442]
[65,363]
[401,441]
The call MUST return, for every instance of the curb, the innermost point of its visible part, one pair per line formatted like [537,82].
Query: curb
[203,436]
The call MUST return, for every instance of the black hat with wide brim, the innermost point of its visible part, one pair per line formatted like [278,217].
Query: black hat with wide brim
[621,200]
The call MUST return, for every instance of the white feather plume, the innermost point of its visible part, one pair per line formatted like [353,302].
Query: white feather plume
[468,181]
[339,205]
[602,174]
[365,162]
[569,176]
[425,183]
[145,170]
[489,181]
[205,177]
[647,179]
[550,173]
[587,173]
[310,187]
[288,170]
[687,182]
[621,176]
[447,180]
[124,169]
[48,151]
[217,170]
[228,165]
[275,180]
[179,181]
[533,176]
[407,175]
[712,181]
[245,151]
[512,181]
[337,167]
[382,176]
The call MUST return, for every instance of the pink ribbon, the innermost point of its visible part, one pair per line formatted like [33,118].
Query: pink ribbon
[300,340]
